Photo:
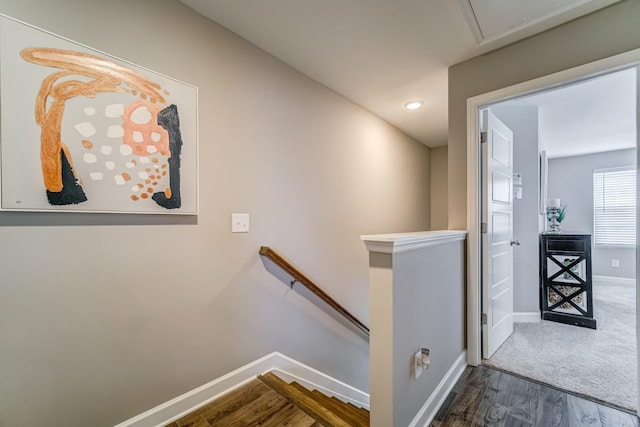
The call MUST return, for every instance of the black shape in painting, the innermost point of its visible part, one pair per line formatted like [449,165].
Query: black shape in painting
[169,120]
[72,192]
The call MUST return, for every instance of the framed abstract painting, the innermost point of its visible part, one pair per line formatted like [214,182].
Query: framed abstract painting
[83,131]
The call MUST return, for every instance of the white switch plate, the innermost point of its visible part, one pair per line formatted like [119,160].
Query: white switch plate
[240,223]
[517,192]
[615,263]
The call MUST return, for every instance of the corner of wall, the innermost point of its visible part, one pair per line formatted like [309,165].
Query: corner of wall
[439,188]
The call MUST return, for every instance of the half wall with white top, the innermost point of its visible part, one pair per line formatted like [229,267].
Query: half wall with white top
[416,287]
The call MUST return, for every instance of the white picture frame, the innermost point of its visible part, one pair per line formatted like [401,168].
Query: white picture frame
[84,131]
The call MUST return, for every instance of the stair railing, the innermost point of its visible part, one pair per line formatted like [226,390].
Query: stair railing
[299,277]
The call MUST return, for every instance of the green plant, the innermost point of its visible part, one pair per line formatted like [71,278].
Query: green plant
[561,213]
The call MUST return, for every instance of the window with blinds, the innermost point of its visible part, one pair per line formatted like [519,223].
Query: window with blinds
[614,207]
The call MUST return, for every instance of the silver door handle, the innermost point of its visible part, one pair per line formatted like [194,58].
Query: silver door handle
[515,243]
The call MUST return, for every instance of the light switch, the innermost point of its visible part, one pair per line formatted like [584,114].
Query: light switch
[517,192]
[240,223]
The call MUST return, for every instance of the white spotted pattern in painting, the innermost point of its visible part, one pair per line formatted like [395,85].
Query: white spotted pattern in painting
[115,131]
[141,171]
[126,150]
[138,137]
[89,158]
[141,115]
[114,111]
[86,129]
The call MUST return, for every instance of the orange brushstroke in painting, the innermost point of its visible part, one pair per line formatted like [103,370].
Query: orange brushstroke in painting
[145,130]
[50,103]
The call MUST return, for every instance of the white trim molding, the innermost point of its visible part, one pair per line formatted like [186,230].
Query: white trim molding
[526,317]
[431,407]
[474,104]
[283,366]
[526,27]
[403,242]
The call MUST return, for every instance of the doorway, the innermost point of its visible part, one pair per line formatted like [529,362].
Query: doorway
[602,67]
[586,127]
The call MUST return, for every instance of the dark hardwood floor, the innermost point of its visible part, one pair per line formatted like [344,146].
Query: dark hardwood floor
[488,397]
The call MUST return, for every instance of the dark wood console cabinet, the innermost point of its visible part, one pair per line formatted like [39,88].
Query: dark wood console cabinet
[566,286]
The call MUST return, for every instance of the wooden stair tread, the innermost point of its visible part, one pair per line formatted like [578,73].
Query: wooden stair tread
[197,421]
[254,413]
[226,404]
[337,406]
[349,413]
[269,401]
[364,412]
[291,415]
[306,403]
[341,408]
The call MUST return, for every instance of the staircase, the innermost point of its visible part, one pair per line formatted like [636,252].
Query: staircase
[271,401]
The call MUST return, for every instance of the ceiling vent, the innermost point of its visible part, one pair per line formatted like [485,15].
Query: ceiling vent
[505,21]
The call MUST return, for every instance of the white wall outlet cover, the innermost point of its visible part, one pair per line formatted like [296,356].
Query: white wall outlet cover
[417,365]
[240,223]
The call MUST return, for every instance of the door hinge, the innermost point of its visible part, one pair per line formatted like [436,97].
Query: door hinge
[483,137]
[483,227]
[483,318]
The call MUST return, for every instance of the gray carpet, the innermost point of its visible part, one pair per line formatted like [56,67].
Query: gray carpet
[599,363]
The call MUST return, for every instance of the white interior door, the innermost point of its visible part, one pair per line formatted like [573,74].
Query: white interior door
[497,249]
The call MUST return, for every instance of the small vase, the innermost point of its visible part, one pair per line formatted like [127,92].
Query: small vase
[553,226]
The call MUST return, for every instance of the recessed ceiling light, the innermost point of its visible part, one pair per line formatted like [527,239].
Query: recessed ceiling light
[414,105]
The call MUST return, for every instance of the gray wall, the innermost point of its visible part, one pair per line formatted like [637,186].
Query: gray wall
[417,296]
[571,180]
[523,121]
[439,188]
[599,35]
[428,305]
[103,317]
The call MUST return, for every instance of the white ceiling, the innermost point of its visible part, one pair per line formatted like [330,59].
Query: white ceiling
[592,116]
[382,53]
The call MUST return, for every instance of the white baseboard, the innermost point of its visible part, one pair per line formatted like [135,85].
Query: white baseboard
[431,407]
[604,280]
[283,366]
[526,317]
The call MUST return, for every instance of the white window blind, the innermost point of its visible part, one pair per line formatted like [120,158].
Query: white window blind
[614,207]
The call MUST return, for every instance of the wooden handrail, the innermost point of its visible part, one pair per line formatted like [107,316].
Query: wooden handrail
[298,276]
